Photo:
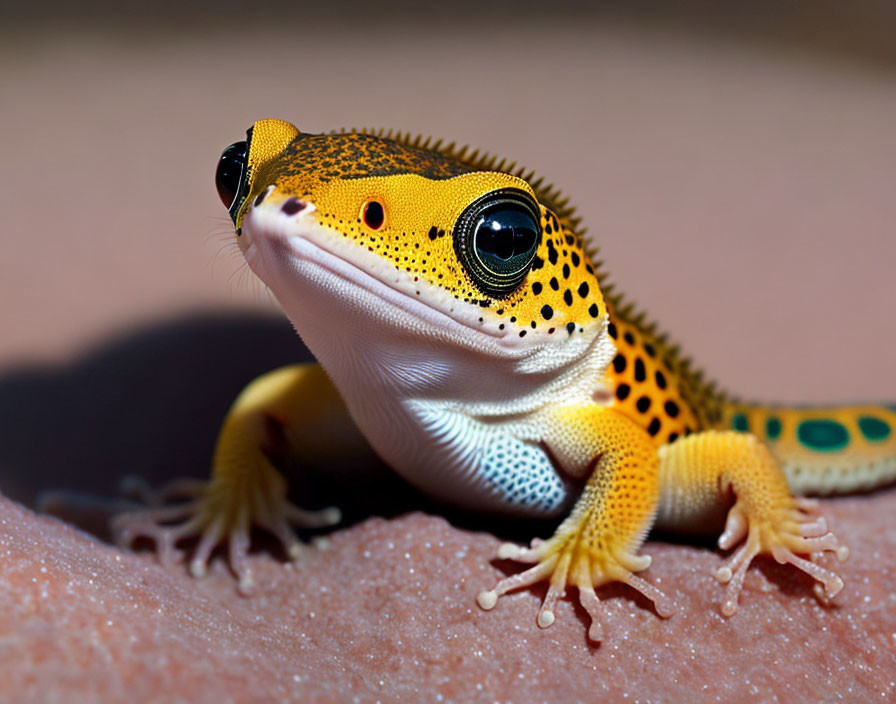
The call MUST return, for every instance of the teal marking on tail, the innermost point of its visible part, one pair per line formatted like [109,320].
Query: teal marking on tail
[822,435]
[874,429]
[739,422]
[773,428]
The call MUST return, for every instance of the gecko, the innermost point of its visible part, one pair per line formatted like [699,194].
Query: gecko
[466,337]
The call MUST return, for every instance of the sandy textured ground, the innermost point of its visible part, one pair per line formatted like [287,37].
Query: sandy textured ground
[387,613]
[742,194]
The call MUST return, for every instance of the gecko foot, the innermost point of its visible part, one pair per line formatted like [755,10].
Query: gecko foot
[216,511]
[563,560]
[785,535]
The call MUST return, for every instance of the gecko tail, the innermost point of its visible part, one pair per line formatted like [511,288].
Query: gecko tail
[825,450]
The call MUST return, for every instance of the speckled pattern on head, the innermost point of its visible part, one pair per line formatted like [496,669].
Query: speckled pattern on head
[355,155]
[423,192]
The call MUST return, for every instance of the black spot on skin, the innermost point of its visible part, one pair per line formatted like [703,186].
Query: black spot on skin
[671,408]
[552,253]
[522,333]
[537,263]
[654,427]
[611,329]
[567,297]
[500,311]
[536,288]
[570,328]
[673,437]
[629,338]
[533,324]
[583,289]
[648,348]
[548,229]
[660,379]
[512,318]
[441,233]
[640,372]
[259,199]
[569,239]
[547,312]
[575,259]
[643,404]
[622,391]
[593,310]
[554,283]
[292,206]
[688,430]
[551,331]
[589,268]
[501,326]
[433,232]
[566,271]
[619,364]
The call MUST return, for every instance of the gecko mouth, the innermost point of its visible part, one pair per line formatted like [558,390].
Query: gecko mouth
[278,247]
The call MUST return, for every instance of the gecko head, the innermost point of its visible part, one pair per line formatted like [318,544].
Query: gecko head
[354,229]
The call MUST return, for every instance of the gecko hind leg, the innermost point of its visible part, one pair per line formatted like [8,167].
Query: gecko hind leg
[765,519]
[785,542]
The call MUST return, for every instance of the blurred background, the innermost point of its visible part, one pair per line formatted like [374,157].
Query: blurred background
[736,163]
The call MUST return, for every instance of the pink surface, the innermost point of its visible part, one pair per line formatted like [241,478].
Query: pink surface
[388,613]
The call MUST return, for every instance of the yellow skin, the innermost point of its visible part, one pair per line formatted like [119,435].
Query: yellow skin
[444,376]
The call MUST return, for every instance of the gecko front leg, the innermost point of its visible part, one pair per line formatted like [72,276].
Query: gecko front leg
[245,488]
[598,542]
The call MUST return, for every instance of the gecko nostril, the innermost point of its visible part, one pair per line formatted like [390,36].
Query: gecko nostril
[259,199]
[293,206]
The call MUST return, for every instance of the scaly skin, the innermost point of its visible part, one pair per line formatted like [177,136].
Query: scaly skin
[466,341]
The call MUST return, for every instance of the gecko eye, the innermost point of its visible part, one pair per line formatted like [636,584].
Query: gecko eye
[229,173]
[496,239]
[232,175]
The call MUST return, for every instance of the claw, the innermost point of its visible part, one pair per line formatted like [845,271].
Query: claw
[238,554]
[211,536]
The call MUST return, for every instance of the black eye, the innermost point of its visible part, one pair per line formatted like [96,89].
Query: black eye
[229,173]
[496,239]
[232,176]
